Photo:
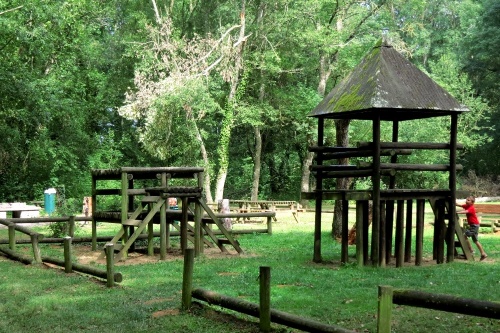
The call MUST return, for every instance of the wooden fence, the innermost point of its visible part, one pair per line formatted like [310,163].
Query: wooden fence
[108,274]
[262,310]
[389,296]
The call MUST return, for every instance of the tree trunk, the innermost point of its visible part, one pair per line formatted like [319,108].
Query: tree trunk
[342,137]
[227,123]
[205,158]
[306,173]
[256,164]
[257,150]
[324,74]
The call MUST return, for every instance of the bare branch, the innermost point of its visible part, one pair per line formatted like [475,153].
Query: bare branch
[10,10]
[157,13]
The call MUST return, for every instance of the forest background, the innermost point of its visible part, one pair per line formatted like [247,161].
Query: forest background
[226,85]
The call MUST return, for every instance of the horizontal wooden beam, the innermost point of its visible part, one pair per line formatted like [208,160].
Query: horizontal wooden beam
[412,167]
[362,153]
[409,145]
[357,173]
[108,191]
[390,194]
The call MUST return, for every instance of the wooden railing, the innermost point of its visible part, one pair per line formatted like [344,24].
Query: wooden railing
[389,296]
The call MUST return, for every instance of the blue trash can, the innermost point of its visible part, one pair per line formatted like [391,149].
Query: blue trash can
[49,200]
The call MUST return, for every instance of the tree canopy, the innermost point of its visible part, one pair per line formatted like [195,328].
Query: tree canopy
[226,85]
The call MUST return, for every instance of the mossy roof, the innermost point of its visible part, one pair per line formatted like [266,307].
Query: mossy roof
[386,83]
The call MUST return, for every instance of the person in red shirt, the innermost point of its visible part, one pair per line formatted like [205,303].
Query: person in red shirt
[470,212]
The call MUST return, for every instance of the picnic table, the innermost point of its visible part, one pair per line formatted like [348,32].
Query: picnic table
[19,209]
[248,206]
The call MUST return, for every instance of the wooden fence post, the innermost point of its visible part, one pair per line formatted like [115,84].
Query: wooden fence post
[384,309]
[68,266]
[110,269]
[36,248]
[187,279]
[265,299]
[71,228]
[12,237]
[269,225]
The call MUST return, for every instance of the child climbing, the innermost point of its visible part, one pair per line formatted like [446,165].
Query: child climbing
[470,212]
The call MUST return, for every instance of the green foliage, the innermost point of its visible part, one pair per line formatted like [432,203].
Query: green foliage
[65,68]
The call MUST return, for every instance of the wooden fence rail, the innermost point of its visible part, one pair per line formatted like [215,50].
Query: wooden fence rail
[389,296]
[67,263]
[250,308]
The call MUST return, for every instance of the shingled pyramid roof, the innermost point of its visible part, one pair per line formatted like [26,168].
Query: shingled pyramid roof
[388,84]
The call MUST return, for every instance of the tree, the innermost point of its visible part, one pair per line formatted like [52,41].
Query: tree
[480,60]
[173,84]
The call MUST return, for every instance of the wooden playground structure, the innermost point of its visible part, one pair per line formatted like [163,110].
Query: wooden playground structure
[145,193]
[386,87]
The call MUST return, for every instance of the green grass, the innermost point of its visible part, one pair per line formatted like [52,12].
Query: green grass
[36,298]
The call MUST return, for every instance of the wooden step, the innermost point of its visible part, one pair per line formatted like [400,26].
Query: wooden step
[227,241]
[223,241]
[150,198]
[132,223]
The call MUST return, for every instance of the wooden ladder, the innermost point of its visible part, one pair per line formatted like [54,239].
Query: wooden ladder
[227,238]
[155,203]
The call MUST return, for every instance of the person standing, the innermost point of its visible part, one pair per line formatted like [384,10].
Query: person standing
[473,231]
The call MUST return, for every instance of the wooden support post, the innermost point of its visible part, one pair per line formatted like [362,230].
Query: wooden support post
[419,237]
[399,253]
[389,227]
[436,231]
[366,228]
[68,267]
[265,299]
[187,279]
[450,235]
[198,232]
[360,235]
[269,225]
[36,248]
[110,268]
[376,228]
[408,238]
[384,309]
[71,226]
[383,235]
[184,224]
[151,248]
[440,227]
[93,210]
[163,221]
[344,252]
[124,208]
[12,237]
[198,209]
[319,196]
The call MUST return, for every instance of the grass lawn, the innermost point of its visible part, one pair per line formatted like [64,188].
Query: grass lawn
[38,298]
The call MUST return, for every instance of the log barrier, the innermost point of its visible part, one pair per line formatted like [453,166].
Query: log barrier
[389,296]
[67,263]
[16,256]
[268,314]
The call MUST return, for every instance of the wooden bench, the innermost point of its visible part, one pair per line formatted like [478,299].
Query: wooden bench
[488,215]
